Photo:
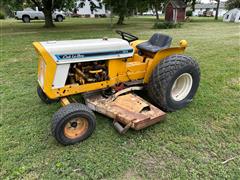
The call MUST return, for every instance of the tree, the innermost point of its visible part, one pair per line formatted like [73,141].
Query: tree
[9,6]
[156,5]
[93,5]
[47,6]
[217,9]
[231,4]
[192,3]
[142,6]
[122,8]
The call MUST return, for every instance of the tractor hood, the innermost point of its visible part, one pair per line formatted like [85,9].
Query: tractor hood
[85,50]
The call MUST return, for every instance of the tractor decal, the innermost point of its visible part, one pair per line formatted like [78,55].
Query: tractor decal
[91,54]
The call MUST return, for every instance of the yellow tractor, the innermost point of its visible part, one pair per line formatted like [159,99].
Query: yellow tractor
[107,72]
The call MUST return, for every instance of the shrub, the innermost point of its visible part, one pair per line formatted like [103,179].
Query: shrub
[2,16]
[166,25]
[189,13]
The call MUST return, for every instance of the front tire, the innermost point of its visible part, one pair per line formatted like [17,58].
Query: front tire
[174,82]
[44,97]
[26,19]
[73,123]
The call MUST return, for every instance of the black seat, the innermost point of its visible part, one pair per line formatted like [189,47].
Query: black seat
[155,43]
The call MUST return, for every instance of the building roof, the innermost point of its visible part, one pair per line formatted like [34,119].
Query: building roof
[210,6]
[177,3]
[235,10]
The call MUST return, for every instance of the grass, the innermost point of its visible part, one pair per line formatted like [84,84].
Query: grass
[190,144]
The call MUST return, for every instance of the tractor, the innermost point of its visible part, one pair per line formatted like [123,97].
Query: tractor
[108,73]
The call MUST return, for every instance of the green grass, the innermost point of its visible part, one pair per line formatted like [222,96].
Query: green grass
[191,144]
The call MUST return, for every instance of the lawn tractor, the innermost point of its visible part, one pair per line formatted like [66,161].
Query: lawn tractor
[107,73]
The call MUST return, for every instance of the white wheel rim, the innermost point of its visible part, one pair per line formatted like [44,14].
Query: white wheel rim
[181,87]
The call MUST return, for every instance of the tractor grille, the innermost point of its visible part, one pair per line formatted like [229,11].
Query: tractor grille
[41,71]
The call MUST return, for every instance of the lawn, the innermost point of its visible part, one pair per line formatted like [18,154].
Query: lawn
[191,144]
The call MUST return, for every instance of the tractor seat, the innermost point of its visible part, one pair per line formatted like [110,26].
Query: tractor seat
[155,43]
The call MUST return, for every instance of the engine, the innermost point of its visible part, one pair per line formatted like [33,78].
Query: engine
[88,72]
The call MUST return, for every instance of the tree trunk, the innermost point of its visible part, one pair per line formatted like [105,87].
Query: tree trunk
[123,11]
[120,19]
[216,14]
[48,19]
[193,5]
[156,9]
[47,10]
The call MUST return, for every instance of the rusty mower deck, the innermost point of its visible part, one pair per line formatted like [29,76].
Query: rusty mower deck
[126,108]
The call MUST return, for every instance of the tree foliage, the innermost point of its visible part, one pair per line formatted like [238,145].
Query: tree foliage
[191,3]
[9,6]
[231,4]
[122,8]
[142,6]
[157,5]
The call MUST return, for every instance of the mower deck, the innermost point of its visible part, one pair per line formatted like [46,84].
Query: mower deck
[128,110]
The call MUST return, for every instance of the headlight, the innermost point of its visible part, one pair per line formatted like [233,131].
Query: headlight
[41,72]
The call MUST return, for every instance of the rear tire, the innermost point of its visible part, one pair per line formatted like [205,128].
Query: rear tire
[174,82]
[26,19]
[44,97]
[73,123]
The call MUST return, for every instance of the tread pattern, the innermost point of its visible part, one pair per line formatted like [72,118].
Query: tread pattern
[162,75]
[72,108]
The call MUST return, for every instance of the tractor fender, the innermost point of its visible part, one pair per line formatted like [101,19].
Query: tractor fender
[153,62]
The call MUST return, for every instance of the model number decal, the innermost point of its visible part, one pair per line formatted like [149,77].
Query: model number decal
[92,54]
[69,56]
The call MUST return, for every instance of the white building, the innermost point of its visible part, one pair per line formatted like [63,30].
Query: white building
[232,16]
[90,8]
[209,9]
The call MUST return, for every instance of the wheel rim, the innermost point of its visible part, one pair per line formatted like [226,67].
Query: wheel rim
[75,128]
[181,87]
[59,19]
[26,19]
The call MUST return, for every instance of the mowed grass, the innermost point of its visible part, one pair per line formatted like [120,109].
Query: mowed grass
[192,143]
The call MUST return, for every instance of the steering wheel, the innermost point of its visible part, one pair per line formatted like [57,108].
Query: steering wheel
[126,36]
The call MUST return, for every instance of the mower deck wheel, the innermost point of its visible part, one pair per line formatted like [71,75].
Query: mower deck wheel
[73,123]
[44,97]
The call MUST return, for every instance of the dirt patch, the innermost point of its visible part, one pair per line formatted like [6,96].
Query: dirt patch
[131,175]
[234,81]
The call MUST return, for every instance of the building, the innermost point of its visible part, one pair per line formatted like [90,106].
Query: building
[232,16]
[175,11]
[90,8]
[209,9]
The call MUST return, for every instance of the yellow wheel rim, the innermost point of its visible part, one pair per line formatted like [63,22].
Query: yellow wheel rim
[75,128]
